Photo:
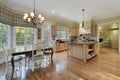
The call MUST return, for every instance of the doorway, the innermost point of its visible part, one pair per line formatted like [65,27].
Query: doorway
[110,34]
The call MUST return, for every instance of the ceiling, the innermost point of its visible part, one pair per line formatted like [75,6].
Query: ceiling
[69,9]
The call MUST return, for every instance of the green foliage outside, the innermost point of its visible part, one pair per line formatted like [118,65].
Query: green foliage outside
[20,35]
[3,34]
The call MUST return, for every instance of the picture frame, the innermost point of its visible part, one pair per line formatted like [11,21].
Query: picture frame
[39,33]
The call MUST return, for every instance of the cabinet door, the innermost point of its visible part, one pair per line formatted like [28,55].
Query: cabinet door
[54,30]
[57,46]
[66,46]
[94,30]
[96,48]
[73,32]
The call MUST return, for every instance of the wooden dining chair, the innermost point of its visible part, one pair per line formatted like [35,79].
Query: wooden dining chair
[28,57]
[47,53]
[38,57]
[17,62]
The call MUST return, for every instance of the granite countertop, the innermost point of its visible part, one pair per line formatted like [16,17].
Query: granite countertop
[88,42]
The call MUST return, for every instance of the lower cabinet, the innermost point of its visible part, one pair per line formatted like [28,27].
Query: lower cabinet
[83,51]
[61,46]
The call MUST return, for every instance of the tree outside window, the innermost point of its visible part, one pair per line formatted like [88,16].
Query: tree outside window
[20,32]
[25,36]
[3,34]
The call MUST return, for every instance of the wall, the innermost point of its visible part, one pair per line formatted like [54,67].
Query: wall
[114,19]
[110,32]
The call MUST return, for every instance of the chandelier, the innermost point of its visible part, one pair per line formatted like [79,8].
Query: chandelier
[83,18]
[33,19]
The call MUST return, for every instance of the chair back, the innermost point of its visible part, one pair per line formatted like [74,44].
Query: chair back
[49,44]
[38,55]
[6,56]
[29,46]
[39,47]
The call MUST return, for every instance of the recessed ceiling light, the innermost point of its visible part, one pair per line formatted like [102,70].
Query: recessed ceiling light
[63,15]
[53,11]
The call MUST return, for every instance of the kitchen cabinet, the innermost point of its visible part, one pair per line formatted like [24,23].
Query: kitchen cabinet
[54,30]
[66,45]
[83,50]
[94,30]
[61,46]
[74,31]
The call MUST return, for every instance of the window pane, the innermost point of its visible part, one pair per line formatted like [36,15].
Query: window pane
[47,36]
[24,38]
[20,32]
[3,34]
[30,35]
[63,34]
[29,38]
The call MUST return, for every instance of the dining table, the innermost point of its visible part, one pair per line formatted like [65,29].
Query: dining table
[27,52]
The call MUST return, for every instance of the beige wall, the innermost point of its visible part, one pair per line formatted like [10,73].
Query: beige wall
[110,32]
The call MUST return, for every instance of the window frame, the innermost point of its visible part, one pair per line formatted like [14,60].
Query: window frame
[58,37]
[25,38]
[8,35]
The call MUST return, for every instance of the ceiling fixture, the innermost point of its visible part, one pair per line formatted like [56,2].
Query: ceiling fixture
[53,11]
[33,19]
[83,18]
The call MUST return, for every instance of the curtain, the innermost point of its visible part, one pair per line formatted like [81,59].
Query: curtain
[11,17]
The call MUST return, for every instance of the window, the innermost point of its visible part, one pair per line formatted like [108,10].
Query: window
[47,34]
[4,34]
[20,32]
[24,36]
[61,34]
[30,37]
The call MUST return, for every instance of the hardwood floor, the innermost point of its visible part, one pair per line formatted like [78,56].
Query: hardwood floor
[105,66]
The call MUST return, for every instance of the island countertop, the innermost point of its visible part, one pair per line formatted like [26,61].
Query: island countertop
[80,42]
[83,50]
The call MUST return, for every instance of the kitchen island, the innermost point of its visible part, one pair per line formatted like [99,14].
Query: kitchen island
[83,50]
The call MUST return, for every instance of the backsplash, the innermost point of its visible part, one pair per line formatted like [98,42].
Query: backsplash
[86,37]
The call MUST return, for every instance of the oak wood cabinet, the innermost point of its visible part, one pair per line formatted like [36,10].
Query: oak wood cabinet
[54,30]
[94,30]
[61,46]
[83,50]
[74,31]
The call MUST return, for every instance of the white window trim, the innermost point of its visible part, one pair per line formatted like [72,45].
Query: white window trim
[9,37]
[14,37]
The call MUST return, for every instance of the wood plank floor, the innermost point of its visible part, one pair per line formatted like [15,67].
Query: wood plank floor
[105,66]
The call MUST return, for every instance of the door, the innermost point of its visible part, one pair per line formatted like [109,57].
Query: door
[114,37]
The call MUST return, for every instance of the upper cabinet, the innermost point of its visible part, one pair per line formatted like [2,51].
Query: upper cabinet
[94,30]
[74,31]
[54,30]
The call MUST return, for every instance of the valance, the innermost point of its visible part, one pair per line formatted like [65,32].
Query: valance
[11,17]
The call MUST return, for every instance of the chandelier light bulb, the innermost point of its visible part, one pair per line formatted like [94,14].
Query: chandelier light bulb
[42,18]
[29,20]
[26,15]
[32,14]
[39,16]
[32,19]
